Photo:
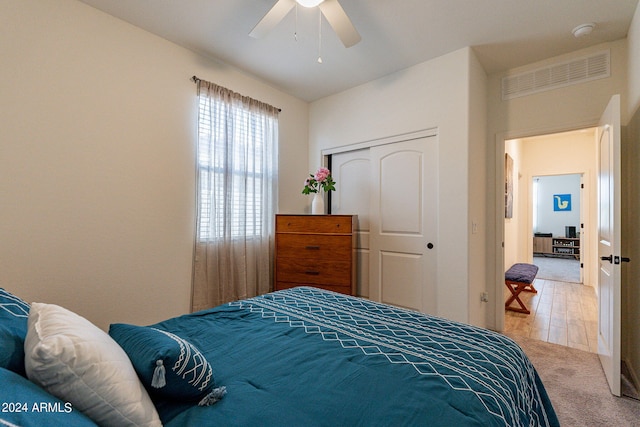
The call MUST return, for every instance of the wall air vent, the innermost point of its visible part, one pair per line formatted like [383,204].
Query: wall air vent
[592,67]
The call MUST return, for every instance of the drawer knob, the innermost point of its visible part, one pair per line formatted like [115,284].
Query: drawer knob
[313,247]
[312,273]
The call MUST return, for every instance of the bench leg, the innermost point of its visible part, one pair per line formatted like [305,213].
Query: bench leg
[515,288]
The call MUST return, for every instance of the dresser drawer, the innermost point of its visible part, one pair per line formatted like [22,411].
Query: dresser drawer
[313,224]
[314,271]
[318,246]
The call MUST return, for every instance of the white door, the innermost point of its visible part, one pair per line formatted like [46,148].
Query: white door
[403,223]
[352,174]
[609,243]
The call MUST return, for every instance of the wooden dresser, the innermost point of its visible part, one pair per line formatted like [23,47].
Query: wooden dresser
[316,250]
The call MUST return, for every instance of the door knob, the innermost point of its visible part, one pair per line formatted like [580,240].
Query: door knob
[429,245]
[607,258]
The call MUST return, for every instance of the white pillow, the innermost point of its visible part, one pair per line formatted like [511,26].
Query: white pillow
[79,363]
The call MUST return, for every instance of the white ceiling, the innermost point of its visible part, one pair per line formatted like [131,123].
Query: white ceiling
[396,34]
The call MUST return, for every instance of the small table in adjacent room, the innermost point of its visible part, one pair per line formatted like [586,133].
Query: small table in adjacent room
[517,279]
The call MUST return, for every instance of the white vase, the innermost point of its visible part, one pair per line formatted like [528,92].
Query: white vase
[317,205]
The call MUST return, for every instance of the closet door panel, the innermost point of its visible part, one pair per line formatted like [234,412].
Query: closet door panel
[403,224]
[352,173]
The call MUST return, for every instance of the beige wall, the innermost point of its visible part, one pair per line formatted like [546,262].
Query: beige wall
[512,228]
[97,172]
[478,147]
[631,249]
[631,160]
[433,94]
[633,50]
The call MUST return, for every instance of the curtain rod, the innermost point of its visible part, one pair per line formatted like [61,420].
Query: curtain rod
[196,79]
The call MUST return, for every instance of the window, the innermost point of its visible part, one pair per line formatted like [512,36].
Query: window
[236,167]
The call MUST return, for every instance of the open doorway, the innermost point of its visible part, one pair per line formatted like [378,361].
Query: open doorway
[564,311]
[605,257]
[556,206]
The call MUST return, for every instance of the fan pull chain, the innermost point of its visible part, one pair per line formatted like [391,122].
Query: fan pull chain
[295,30]
[319,36]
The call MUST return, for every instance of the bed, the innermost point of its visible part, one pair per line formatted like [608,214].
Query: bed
[307,357]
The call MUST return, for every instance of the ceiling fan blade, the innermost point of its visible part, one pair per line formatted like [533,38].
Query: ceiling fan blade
[340,22]
[272,18]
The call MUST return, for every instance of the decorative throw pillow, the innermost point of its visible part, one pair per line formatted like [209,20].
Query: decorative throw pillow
[167,364]
[13,328]
[27,405]
[79,363]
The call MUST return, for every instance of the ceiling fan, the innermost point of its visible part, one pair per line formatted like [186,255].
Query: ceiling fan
[331,10]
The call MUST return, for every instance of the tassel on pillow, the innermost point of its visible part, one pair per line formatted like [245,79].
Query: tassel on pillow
[158,380]
[215,395]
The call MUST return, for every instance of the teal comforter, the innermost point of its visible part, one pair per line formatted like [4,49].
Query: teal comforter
[309,357]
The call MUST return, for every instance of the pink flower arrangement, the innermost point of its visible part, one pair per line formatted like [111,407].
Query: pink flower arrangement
[322,174]
[321,180]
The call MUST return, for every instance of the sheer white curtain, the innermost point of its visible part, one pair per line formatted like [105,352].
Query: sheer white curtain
[237,196]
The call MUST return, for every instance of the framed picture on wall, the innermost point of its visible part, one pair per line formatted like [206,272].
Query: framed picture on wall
[508,186]
[561,202]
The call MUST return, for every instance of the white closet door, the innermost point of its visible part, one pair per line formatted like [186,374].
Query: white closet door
[352,173]
[403,218]
[393,190]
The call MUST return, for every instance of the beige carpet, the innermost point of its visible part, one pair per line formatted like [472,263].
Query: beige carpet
[577,386]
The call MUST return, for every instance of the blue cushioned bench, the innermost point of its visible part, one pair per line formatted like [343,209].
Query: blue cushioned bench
[519,278]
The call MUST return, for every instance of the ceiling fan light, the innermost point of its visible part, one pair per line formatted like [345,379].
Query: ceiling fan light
[309,3]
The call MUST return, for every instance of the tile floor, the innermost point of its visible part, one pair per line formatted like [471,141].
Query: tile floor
[561,313]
